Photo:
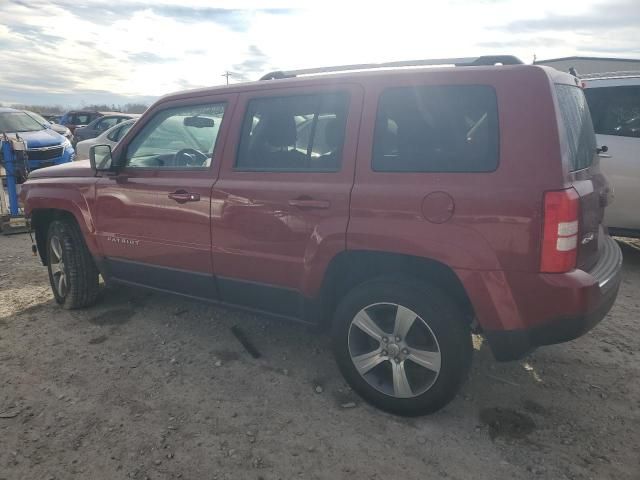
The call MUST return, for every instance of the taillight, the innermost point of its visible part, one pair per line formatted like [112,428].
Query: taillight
[560,232]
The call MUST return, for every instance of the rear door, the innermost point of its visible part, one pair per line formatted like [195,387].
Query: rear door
[615,109]
[579,149]
[281,204]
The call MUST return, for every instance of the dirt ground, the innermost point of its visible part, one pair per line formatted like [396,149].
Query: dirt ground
[151,386]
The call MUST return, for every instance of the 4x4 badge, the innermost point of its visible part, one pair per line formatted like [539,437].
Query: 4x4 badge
[587,238]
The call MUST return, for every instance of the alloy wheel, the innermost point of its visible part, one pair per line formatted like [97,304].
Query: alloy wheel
[394,350]
[58,272]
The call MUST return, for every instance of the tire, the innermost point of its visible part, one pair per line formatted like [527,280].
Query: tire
[416,372]
[72,272]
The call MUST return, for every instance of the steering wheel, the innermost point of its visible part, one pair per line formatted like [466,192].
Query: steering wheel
[189,157]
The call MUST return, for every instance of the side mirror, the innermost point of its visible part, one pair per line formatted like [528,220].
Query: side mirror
[100,157]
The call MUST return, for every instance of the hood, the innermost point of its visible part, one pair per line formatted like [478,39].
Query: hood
[81,168]
[56,127]
[42,138]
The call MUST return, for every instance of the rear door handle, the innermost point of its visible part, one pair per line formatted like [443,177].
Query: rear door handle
[182,196]
[309,203]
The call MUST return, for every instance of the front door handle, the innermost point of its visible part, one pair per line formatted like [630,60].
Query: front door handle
[182,196]
[309,203]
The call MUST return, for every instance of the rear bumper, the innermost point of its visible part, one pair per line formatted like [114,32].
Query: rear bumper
[586,298]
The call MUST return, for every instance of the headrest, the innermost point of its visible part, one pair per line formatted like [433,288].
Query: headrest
[280,129]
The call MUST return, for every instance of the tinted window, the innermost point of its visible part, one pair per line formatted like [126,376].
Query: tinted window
[577,125]
[182,137]
[299,133]
[615,110]
[437,129]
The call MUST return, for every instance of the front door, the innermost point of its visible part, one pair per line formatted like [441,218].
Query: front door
[281,204]
[153,216]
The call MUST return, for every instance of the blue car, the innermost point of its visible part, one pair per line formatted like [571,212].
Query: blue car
[45,147]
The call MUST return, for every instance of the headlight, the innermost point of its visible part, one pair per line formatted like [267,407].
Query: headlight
[66,144]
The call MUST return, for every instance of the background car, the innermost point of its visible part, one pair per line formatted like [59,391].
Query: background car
[109,137]
[44,145]
[101,124]
[614,102]
[56,127]
[78,118]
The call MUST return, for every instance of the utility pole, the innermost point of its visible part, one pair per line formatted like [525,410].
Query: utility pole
[227,74]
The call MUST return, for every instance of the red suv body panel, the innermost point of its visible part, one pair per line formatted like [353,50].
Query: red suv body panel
[276,233]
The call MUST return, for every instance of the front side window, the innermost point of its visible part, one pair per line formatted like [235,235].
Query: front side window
[181,137]
[615,110]
[297,133]
[437,129]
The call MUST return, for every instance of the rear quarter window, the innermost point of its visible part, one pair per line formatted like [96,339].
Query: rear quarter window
[437,129]
[577,125]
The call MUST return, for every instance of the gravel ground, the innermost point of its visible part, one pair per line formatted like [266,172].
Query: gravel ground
[150,386]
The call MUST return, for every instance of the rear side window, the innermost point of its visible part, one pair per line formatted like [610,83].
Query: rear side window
[297,133]
[117,133]
[577,125]
[437,129]
[615,110]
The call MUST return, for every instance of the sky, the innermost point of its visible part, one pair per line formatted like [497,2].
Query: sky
[74,52]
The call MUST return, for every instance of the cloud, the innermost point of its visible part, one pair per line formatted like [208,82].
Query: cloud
[256,61]
[599,18]
[35,33]
[82,51]
[109,12]
[150,57]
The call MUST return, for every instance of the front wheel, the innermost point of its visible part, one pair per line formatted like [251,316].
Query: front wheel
[401,344]
[72,271]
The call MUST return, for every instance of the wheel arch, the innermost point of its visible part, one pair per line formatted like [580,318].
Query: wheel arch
[353,267]
[41,218]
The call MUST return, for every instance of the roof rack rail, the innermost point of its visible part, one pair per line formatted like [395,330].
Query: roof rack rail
[458,62]
[624,74]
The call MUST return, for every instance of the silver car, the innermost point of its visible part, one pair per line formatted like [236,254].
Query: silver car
[614,102]
[108,137]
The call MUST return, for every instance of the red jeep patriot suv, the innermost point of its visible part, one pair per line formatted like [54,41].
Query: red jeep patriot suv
[403,208]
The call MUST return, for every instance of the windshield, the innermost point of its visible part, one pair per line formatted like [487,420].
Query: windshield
[38,118]
[18,122]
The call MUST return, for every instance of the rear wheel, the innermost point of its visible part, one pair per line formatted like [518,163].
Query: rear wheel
[403,345]
[72,272]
